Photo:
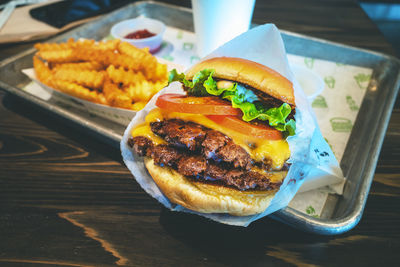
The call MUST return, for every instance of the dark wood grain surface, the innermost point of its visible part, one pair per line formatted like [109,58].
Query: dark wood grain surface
[67,199]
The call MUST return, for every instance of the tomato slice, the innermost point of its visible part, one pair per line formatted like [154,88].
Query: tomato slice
[259,131]
[208,105]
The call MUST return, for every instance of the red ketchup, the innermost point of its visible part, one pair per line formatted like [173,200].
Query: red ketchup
[140,34]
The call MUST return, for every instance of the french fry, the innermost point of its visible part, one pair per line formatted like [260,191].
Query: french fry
[87,78]
[90,65]
[77,91]
[147,61]
[55,46]
[152,69]
[160,73]
[42,71]
[110,45]
[124,77]
[144,90]
[116,97]
[107,58]
[58,56]
[134,52]
[84,44]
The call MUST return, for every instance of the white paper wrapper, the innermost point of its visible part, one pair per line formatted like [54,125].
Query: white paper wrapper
[309,151]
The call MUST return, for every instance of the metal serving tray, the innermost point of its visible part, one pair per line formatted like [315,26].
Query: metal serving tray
[341,213]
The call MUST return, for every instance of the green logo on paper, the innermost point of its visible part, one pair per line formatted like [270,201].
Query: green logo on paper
[330,81]
[164,44]
[362,80]
[109,37]
[168,57]
[311,211]
[352,104]
[341,125]
[309,62]
[179,35]
[194,59]
[319,102]
[188,46]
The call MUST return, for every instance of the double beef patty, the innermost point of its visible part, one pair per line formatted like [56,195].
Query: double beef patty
[201,153]
[201,140]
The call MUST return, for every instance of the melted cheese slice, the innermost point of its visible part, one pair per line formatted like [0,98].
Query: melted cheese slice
[277,151]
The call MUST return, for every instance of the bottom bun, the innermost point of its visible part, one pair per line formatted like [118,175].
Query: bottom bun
[207,198]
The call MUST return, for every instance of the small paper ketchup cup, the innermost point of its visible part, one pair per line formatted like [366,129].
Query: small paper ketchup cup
[140,32]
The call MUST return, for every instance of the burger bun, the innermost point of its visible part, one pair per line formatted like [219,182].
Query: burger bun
[205,197]
[250,73]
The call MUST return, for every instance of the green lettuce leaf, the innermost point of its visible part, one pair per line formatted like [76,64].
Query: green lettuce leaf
[194,87]
[174,76]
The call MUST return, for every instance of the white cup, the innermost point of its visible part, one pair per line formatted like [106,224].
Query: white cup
[219,21]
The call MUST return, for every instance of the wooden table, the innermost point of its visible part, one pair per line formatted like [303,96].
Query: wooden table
[68,200]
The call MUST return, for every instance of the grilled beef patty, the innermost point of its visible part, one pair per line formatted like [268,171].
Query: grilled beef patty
[199,168]
[202,154]
[196,138]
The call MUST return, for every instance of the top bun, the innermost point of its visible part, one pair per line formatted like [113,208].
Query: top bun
[250,73]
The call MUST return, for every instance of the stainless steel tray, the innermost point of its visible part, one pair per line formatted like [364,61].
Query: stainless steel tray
[341,213]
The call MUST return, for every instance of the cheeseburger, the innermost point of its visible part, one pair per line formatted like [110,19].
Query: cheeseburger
[221,148]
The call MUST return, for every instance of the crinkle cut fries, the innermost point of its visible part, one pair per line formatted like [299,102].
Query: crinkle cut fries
[110,72]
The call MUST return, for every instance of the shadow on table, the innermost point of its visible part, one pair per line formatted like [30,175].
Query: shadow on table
[230,243]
